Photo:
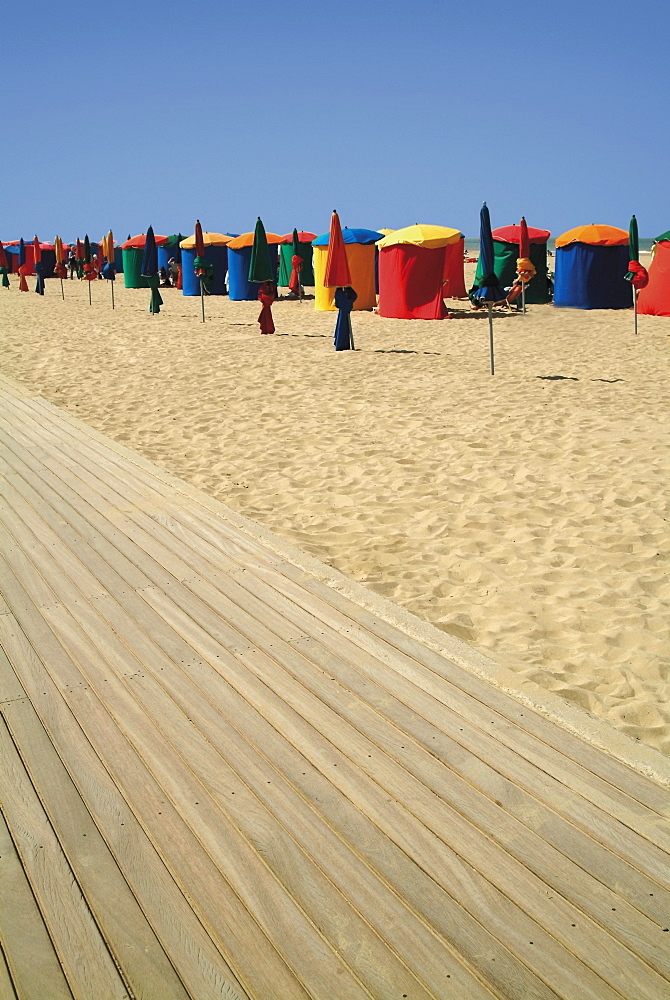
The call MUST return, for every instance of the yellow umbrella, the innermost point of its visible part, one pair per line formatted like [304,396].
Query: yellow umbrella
[422,236]
[108,252]
[209,240]
[60,265]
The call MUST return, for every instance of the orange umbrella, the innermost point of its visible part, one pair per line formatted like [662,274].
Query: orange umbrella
[594,235]
[60,269]
[247,240]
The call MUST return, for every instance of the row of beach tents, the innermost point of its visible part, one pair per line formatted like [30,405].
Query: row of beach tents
[404,274]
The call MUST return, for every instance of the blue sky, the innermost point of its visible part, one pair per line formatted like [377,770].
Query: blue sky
[126,114]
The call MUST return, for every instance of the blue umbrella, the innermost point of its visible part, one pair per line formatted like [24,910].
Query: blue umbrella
[22,252]
[150,270]
[488,288]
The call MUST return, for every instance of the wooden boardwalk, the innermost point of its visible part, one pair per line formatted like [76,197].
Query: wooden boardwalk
[223,778]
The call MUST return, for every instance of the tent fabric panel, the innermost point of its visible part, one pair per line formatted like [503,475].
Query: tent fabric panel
[361,259]
[132,268]
[363,236]
[505,256]
[240,289]
[285,267]
[592,277]
[454,273]
[217,257]
[654,300]
[410,282]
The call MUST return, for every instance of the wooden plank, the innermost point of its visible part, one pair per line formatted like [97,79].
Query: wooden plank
[30,966]
[309,889]
[318,621]
[70,924]
[151,656]
[182,894]
[6,986]
[203,606]
[127,934]
[599,762]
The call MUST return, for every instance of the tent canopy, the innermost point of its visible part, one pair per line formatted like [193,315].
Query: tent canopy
[209,239]
[247,240]
[421,235]
[595,236]
[654,299]
[510,234]
[663,237]
[303,237]
[138,242]
[362,236]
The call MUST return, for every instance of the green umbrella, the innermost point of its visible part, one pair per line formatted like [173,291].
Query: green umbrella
[260,265]
[636,274]
[87,264]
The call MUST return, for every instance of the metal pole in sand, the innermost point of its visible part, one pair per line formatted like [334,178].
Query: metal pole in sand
[635,307]
[490,307]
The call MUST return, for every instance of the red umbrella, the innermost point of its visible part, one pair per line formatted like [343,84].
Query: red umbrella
[524,265]
[199,263]
[337,274]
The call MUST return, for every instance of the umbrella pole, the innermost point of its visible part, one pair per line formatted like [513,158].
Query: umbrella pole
[112,290]
[523,298]
[493,369]
[635,308]
[62,290]
[202,298]
[89,293]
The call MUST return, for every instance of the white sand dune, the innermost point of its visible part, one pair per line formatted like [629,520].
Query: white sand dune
[525,513]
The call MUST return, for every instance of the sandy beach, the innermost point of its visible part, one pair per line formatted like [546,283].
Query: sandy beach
[525,513]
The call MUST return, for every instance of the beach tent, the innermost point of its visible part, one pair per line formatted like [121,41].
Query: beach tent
[133,251]
[361,257]
[506,254]
[48,252]
[216,254]
[654,300]
[304,251]
[240,289]
[591,262]
[412,265]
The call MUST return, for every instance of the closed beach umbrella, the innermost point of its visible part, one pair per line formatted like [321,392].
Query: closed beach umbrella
[296,266]
[337,273]
[262,272]
[109,270]
[488,290]
[150,270]
[525,268]
[89,271]
[4,266]
[200,264]
[23,284]
[60,269]
[39,271]
[338,276]
[636,274]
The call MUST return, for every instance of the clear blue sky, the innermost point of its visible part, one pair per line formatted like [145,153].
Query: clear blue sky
[121,115]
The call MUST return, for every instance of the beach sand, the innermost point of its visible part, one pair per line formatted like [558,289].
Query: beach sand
[524,513]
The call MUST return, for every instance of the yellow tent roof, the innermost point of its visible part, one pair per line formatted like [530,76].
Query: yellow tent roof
[210,240]
[422,236]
